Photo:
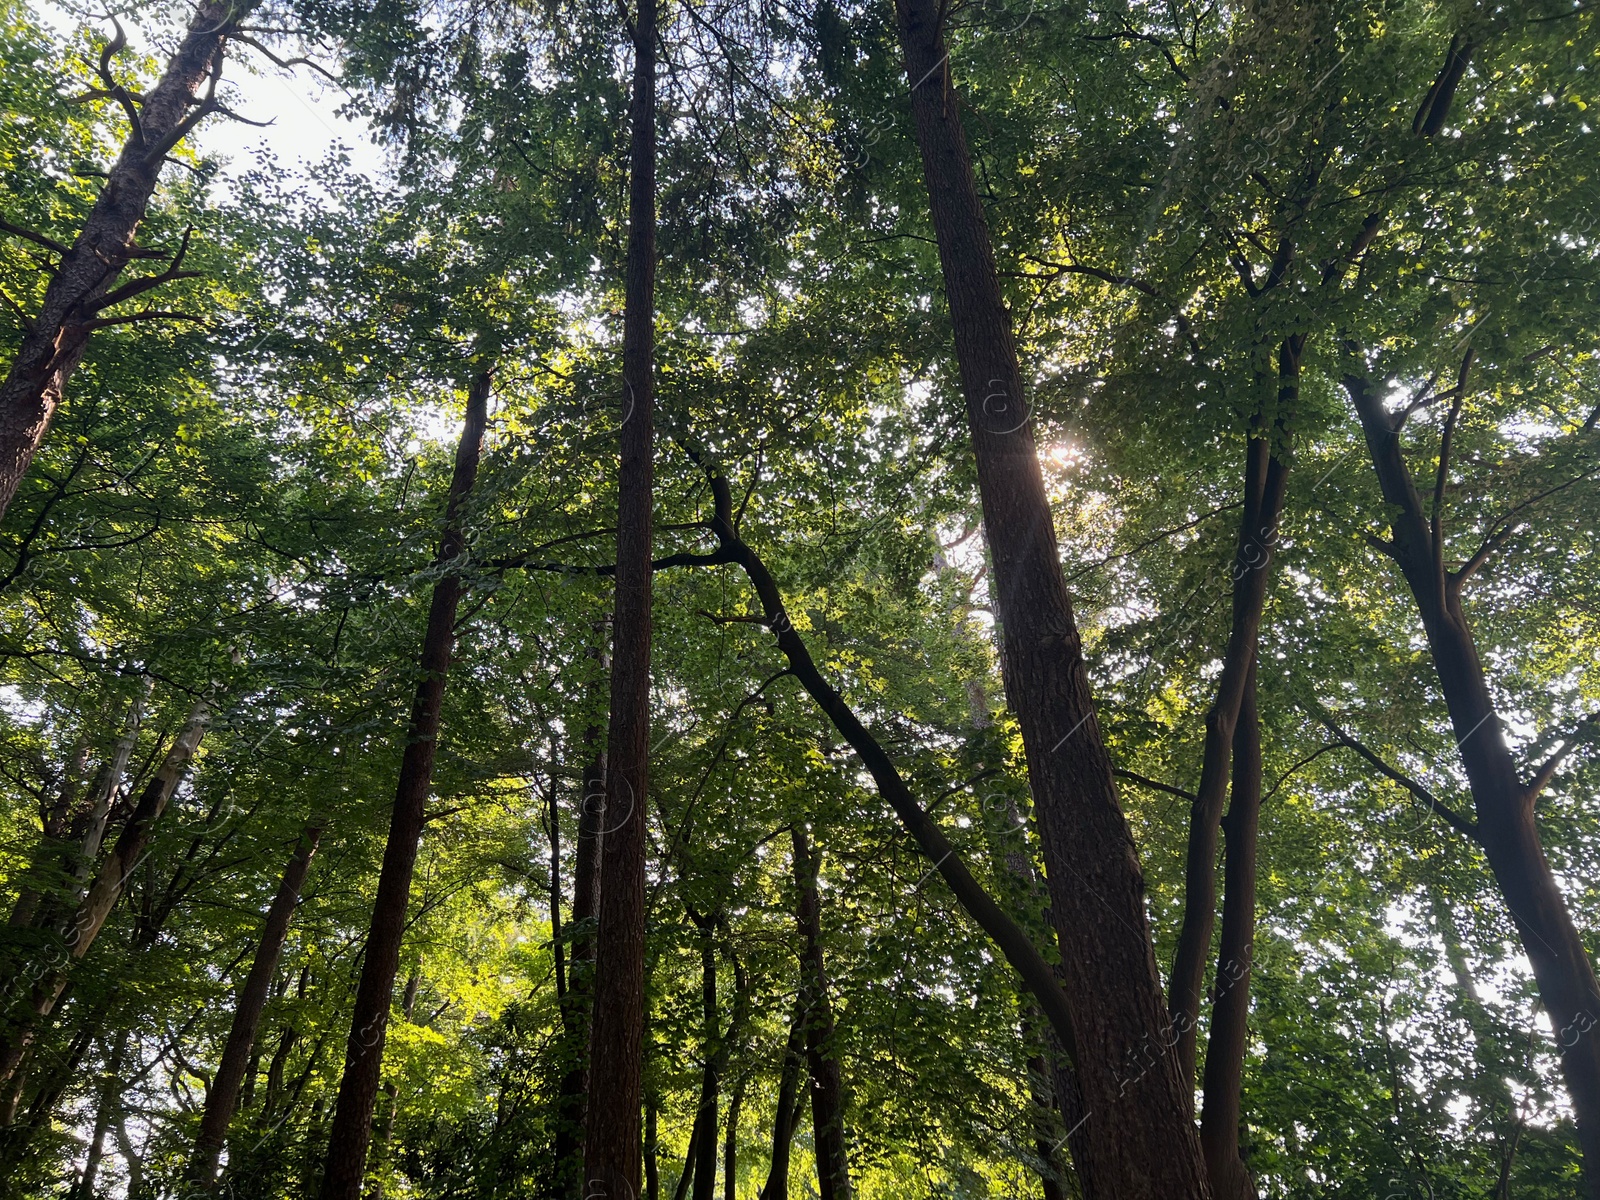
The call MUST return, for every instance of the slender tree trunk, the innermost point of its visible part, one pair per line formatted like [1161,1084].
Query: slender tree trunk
[110,1097]
[1221,1112]
[251,1003]
[37,877]
[1264,484]
[1506,826]
[611,1156]
[827,1086]
[1009,845]
[1139,1128]
[80,289]
[50,974]
[652,1152]
[786,1118]
[351,1132]
[705,1158]
[579,1004]
[730,1143]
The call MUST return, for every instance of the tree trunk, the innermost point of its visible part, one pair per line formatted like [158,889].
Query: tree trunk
[1264,484]
[50,974]
[37,877]
[251,1003]
[652,1152]
[611,1155]
[705,1158]
[81,287]
[1139,1128]
[576,1011]
[351,1131]
[827,1086]
[1506,826]
[110,1097]
[391,1093]
[730,1144]
[787,1117]
[1221,1111]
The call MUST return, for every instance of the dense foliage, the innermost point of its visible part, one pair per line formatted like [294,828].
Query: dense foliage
[240,498]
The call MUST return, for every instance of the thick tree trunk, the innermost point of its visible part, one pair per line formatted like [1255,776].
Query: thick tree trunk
[251,1003]
[1264,485]
[611,1156]
[50,974]
[1506,826]
[1139,1129]
[786,1118]
[351,1132]
[81,287]
[827,1085]
[1230,1013]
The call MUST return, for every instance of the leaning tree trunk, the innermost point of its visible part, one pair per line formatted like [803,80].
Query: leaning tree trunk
[351,1132]
[80,290]
[1506,826]
[252,1002]
[1138,1126]
[611,1155]
[1221,1110]
[49,975]
[827,1086]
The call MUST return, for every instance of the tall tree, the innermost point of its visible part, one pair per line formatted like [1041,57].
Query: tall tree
[82,292]
[238,1050]
[351,1131]
[611,1151]
[1139,1129]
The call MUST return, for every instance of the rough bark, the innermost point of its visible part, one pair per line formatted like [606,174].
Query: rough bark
[1265,478]
[50,974]
[251,1003]
[80,293]
[1504,802]
[351,1131]
[1221,1111]
[611,1156]
[827,1084]
[1139,1129]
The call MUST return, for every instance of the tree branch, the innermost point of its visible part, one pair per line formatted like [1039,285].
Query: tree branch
[1547,769]
[1452,818]
[1153,784]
